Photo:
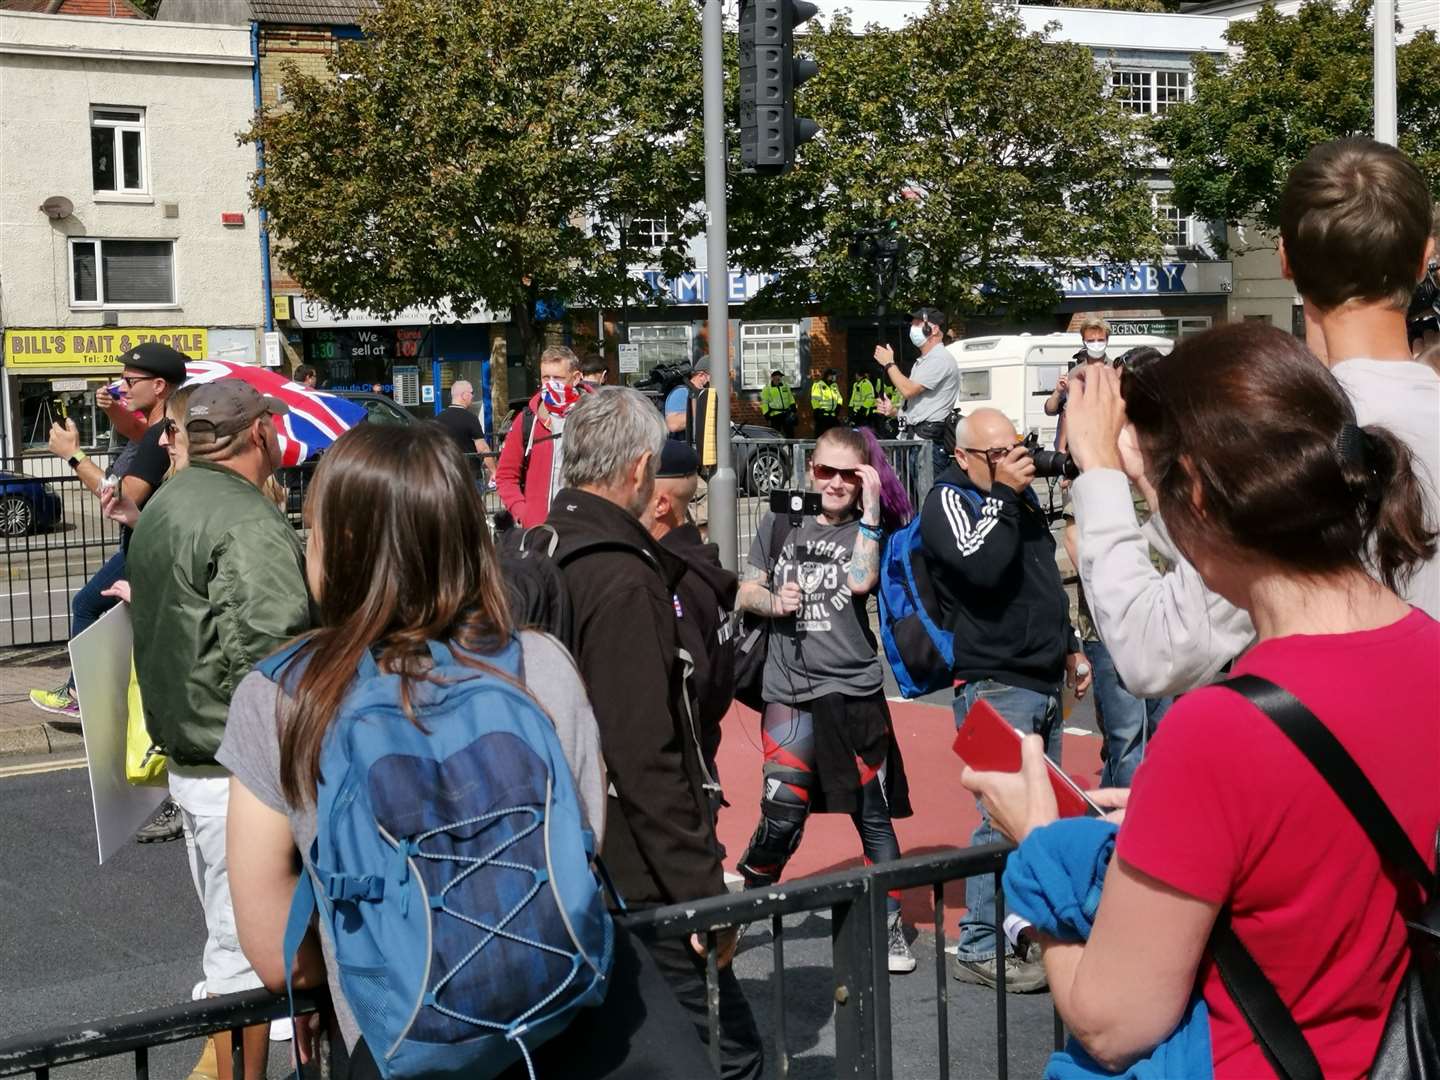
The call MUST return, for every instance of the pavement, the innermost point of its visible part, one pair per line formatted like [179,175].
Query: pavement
[23,727]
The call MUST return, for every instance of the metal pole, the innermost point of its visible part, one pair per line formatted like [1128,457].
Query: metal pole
[1385,123]
[722,482]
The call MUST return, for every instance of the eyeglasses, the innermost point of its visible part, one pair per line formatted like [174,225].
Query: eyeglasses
[826,473]
[131,380]
[992,455]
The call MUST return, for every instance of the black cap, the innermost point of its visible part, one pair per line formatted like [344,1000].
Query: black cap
[934,316]
[677,460]
[158,359]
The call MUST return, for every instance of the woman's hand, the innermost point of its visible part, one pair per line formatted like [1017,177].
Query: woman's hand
[1094,419]
[1113,799]
[118,507]
[786,599]
[1021,801]
[120,590]
[869,494]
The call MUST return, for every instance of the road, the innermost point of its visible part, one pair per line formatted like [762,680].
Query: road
[81,943]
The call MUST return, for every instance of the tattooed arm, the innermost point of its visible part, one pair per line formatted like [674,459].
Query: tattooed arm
[864,571]
[756,597]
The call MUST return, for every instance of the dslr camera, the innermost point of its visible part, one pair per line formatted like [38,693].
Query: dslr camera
[1049,463]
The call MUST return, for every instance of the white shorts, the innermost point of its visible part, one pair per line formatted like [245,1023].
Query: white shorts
[226,969]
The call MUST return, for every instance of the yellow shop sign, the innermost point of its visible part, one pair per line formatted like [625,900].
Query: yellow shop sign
[94,347]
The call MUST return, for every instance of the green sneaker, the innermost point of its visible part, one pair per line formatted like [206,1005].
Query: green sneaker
[60,701]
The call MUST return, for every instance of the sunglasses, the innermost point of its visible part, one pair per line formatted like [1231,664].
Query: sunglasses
[827,473]
[168,428]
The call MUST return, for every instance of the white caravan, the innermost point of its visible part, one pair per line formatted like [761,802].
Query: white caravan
[1015,373]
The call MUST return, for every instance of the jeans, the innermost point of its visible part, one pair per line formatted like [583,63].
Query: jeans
[1128,721]
[88,604]
[1030,712]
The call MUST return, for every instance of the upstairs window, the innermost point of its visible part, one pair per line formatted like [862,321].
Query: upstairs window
[122,273]
[117,150]
[1134,89]
[648,232]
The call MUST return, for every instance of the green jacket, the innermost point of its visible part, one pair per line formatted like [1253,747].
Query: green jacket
[825,398]
[217,575]
[862,396]
[776,400]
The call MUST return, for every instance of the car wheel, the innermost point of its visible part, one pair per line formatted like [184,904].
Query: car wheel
[767,471]
[16,516]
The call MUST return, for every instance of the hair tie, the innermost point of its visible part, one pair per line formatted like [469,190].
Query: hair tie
[1357,448]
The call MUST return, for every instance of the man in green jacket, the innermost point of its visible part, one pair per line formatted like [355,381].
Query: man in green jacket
[777,402]
[862,400]
[218,583]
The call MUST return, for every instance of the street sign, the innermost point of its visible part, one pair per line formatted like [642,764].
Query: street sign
[629,359]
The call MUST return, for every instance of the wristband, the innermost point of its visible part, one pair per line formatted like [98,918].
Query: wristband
[1014,926]
[871,532]
[80,456]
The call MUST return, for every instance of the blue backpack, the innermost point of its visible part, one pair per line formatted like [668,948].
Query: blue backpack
[451,869]
[920,649]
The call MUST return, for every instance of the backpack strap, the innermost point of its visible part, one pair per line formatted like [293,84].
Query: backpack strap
[1270,1020]
[598,546]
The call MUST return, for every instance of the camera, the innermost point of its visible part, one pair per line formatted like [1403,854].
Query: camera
[1423,315]
[795,504]
[1049,462]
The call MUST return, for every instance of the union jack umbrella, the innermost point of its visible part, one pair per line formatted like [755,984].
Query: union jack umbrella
[315,420]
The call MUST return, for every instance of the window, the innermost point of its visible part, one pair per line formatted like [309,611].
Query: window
[1171,87]
[1134,89]
[1043,378]
[767,347]
[117,149]
[666,343]
[1175,226]
[648,232]
[975,385]
[122,273]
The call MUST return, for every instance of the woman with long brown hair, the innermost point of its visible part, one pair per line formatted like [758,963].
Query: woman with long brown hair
[399,559]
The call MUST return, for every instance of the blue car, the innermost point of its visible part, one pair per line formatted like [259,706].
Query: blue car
[27,505]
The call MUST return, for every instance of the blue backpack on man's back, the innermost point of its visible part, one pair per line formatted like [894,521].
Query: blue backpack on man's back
[920,648]
[452,870]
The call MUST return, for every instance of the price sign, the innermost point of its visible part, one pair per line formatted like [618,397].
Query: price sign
[629,359]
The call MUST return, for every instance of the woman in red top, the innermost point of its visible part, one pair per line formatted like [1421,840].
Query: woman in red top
[1240,430]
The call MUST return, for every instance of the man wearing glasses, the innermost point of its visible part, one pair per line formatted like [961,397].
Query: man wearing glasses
[992,560]
[152,373]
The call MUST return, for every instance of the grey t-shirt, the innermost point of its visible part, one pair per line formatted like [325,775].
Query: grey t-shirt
[936,371]
[251,751]
[823,648]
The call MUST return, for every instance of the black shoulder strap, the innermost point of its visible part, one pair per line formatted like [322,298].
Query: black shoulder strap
[606,545]
[1338,768]
[1276,1032]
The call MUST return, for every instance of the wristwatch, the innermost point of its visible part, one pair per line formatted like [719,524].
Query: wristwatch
[77,459]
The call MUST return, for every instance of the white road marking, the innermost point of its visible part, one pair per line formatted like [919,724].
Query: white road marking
[1078,731]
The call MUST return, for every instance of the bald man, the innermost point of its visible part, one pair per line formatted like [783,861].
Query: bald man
[460,422]
[992,558]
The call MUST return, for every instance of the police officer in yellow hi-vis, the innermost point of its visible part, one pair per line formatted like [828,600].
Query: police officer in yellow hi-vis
[825,402]
[777,403]
[862,400]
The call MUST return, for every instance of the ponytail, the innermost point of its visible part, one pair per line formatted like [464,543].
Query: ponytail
[1399,531]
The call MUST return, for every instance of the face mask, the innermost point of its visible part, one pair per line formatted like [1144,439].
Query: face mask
[558,395]
[917,336]
[1095,349]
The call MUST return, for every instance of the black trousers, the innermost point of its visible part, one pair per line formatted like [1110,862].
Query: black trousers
[639,1032]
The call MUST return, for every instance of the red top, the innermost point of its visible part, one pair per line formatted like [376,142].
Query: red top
[1226,809]
[522,473]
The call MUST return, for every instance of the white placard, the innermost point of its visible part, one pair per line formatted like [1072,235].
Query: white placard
[61,386]
[629,359]
[272,348]
[100,658]
[427,393]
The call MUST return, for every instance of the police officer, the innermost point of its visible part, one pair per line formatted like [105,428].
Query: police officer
[777,403]
[862,400]
[825,401]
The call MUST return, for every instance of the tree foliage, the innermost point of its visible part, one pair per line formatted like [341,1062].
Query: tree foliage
[997,154]
[1298,80]
[463,149]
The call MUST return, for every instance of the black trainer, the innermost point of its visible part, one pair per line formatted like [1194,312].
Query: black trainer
[165,825]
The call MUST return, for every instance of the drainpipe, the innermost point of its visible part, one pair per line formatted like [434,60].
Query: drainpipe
[266,300]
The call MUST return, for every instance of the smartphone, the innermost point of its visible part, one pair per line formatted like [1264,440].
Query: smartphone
[61,409]
[988,743]
[796,503]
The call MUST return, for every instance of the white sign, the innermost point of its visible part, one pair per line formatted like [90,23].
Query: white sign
[427,394]
[272,348]
[62,385]
[317,315]
[629,359]
[100,659]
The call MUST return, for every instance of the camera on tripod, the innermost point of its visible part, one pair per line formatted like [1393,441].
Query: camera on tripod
[1050,463]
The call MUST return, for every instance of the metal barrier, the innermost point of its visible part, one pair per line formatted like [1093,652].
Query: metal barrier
[854,898]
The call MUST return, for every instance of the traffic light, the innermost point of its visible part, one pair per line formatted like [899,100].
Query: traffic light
[769,75]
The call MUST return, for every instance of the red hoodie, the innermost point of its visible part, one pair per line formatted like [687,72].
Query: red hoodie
[522,475]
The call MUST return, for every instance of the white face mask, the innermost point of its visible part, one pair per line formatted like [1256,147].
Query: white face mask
[1095,348]
[917,336]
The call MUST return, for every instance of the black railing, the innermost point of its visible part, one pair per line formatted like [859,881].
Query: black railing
[859,934]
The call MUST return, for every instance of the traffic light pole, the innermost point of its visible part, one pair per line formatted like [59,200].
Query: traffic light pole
[722,482]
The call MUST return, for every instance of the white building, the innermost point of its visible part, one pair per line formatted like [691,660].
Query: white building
[1413,15]
[124,207]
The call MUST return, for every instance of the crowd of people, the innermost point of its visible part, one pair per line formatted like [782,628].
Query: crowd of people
[1249,504]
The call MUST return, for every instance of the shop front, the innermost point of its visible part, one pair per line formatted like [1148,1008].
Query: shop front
[1168,299]
[51,374]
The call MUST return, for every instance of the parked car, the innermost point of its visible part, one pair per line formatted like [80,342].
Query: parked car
[379,408]
[28,505]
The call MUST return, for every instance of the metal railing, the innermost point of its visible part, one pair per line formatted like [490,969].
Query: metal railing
[856,900]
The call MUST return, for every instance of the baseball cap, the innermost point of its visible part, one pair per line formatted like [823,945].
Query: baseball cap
[677,460]
[228,406]
[934,316]
[158,359]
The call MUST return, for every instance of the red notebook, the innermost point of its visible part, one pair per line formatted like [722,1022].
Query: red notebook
[987,743]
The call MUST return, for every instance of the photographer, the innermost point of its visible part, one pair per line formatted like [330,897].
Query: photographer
[993,565]
[933,386]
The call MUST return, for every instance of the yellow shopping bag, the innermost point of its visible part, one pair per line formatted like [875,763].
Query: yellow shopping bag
[144,762]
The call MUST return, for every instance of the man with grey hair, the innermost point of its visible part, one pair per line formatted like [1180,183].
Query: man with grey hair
[659,843]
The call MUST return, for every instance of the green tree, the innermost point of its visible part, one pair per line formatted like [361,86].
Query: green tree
[1299,80]
[481,152]
[997,155]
